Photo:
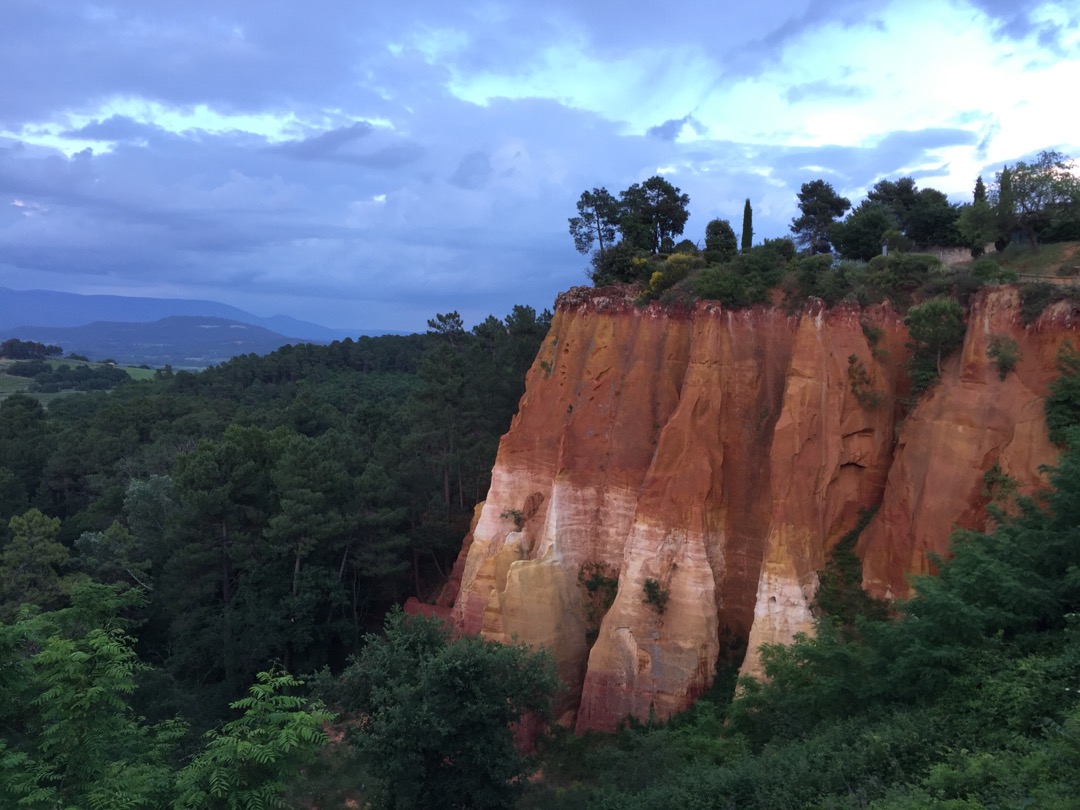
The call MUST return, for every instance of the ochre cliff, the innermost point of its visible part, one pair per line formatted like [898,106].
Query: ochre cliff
[722,454]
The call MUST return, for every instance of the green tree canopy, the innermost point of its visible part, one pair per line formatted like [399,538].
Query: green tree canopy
[1039,191]
[652,212]
[596,222]
[434,715]
[747,227]
[720,241]
[821,206]
[861,234]
[936,327]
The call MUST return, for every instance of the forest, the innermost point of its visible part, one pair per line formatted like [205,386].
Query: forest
[197,535]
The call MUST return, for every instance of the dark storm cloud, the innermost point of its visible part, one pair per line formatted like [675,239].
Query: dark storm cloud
[379,197]
[341,146]
[860,166]
[669,130]
[117,129]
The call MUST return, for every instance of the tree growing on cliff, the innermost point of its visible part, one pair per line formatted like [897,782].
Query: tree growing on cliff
[747,227]
[936,328]
[596,222]
[821,206]
[652,213]
[434,715]
[720,244]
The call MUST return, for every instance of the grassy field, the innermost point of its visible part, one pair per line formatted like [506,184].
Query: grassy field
[1060,259]
[10,385]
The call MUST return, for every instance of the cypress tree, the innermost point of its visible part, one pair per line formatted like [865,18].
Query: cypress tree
[747,226]
[1006,213]
[980,190]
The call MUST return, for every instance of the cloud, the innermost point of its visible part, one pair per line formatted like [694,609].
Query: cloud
[824,89]
[372,165]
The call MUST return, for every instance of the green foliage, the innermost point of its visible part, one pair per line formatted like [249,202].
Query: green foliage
[432,716]
[862,385]
[656,595]
[516,515]
[997,486]
[617,264]
[821,206]
[597,219]
[860,235]
[30,564]
[1034,298]
[936,328]
[720,243]
[1004,353]
[747,228]
[1038,192]
[977,225]
[601,588]
[250,762]
[652,212]
[68,737]
[15,349]
[905,271]
[991,272]
[1062,403]
[840,597]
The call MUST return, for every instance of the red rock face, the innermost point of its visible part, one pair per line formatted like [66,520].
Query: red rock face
[718,455]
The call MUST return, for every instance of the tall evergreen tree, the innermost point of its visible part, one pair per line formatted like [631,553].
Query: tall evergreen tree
[1006,209]
[747,227]
[720,241]
[980,190]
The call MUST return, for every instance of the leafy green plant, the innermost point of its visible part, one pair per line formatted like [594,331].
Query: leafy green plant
[656,595]
[860,382]
[515,515]
[936,328]
[1034,298]
[840,597]
[997,486]
[1004,352]
[1062,404]
[601,586]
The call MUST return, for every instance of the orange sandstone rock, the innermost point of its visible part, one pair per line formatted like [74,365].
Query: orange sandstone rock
[721,454]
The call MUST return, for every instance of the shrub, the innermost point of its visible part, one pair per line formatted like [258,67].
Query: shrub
[859,379]
[1004,352]
[1034,298]
[991,272]
[656,595]
[1062,404]
[909,270]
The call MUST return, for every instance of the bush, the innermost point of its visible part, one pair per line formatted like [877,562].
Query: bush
[908,270]
[991,272]
[1034,298]
[1062,404]
[1003,352]
[656,595]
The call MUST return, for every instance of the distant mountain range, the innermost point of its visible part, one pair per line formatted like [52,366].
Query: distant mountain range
[181,342]
[46,308]
[152,331]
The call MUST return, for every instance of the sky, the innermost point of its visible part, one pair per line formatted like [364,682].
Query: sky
[367,165]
